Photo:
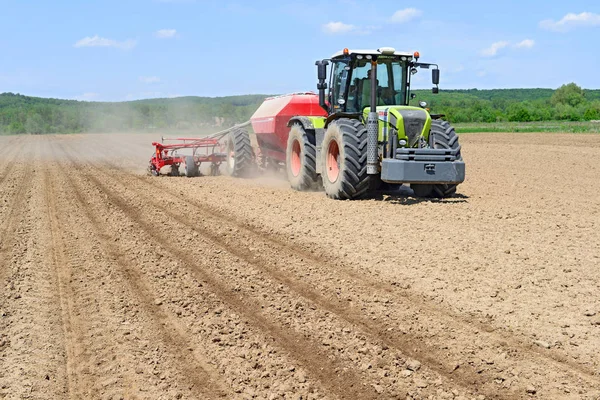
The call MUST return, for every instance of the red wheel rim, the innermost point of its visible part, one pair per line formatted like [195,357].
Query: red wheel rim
[333,161]
[295,160]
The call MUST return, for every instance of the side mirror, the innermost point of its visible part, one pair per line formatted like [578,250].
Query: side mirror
[435,76]
[435,90]
[413,95]
[322,69]
[322,85]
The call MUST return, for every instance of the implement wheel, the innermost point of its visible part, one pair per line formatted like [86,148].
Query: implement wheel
[191,169]
[152,169]
[240,157]
[441,136]
[301,159]
[344,160]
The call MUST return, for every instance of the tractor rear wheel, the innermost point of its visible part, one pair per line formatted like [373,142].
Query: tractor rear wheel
[442,136]
[191,169]
[301,159]
[344,160]
[239,153]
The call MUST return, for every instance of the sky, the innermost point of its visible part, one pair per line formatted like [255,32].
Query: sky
[133,49]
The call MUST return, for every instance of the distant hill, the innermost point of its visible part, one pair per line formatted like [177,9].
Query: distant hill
[24,114]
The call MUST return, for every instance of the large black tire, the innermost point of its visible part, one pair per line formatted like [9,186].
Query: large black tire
[191,169]
[344,160]
[301,159]
[441,136]
[240,157]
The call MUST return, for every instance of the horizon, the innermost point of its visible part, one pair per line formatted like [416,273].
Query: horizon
[143,49]
[259,94]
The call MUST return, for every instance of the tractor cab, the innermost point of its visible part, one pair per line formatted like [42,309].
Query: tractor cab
[357,75]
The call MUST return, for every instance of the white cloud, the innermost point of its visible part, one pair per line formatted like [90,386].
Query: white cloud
[525,44]
[494,48]
[338,27]
[165,33]
[571,20]
[405,15]
[97,41]
[149,79]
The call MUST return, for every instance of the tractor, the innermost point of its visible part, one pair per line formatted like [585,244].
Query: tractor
[358,133]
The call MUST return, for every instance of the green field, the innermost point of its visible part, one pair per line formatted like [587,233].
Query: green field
[542,126]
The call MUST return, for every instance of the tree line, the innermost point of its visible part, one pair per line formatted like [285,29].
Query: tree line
[24,114]
[567,103]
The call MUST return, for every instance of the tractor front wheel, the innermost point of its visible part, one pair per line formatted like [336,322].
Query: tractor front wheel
[301,159]
[344,160]
[240,156]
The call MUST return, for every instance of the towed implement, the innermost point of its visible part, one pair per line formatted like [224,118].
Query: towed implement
[358,133]
[211,149]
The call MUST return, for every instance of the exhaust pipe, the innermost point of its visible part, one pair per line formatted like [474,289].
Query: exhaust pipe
[373,126]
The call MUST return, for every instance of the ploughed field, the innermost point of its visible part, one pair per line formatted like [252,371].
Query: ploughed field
[115,284]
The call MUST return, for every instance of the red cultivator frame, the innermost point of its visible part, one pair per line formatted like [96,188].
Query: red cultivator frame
[213,149]
[167,154]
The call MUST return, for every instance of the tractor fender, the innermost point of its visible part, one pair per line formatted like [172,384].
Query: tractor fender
[339,115]
[304,121]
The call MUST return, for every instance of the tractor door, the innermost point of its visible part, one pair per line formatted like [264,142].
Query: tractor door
[338,98]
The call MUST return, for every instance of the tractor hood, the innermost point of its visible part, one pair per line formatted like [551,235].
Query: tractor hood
[411,123]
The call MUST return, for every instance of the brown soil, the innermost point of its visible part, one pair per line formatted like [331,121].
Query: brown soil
[115,284]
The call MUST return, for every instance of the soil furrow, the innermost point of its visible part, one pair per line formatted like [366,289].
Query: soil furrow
[299,257]
[342,382]
[204,382]
[31,357]
[469,373]
[9,158]
[71,330]
[10,222]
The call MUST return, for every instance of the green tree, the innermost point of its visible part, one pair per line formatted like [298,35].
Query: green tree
[34,124]
[569,94]
[592,111]
[16,127]
[519,113]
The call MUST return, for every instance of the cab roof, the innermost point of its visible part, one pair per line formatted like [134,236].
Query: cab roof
[374,52]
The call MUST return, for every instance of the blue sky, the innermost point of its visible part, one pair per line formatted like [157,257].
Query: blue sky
[132,49]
